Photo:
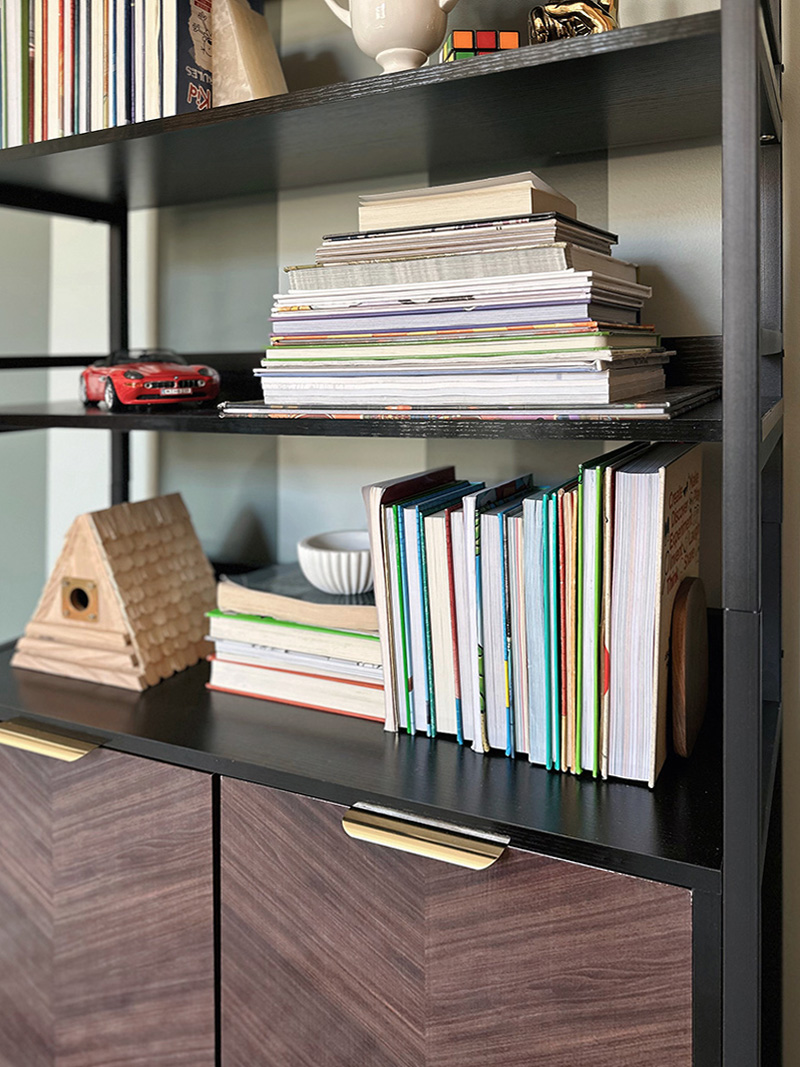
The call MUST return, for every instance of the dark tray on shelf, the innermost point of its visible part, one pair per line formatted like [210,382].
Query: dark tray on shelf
[643,85]
[672,833]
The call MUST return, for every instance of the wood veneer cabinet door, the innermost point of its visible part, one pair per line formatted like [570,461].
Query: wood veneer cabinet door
[106,913]
[337,953]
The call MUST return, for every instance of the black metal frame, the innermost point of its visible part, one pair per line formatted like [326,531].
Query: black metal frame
[752,502]
[730,966]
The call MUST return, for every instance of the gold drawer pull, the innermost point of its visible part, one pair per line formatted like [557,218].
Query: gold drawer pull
[31,737]
[423,837]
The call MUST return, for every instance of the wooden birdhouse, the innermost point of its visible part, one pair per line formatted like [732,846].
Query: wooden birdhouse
[125,604]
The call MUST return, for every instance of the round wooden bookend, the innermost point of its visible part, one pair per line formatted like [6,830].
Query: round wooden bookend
[689,664]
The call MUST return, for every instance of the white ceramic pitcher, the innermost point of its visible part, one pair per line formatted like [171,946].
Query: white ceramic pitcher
[398,34]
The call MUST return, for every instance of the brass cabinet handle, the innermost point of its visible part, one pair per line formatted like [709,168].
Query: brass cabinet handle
[423,837]
[44,741]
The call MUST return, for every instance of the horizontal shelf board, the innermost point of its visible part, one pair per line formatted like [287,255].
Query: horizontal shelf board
[702,424]
[637,86]
[672,833]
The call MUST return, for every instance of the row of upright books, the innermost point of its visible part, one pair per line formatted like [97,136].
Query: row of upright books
[536,621]
[482,300]
[72,66]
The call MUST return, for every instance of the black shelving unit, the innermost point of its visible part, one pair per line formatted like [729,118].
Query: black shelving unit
[712,824]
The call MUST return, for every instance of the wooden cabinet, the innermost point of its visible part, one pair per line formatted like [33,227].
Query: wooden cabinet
[106,913]
[337,953]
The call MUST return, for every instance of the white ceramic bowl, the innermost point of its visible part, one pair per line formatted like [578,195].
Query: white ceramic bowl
[338,562]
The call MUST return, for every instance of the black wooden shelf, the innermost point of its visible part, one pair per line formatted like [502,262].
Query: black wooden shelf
[639,86]
[702,424]
[671,834]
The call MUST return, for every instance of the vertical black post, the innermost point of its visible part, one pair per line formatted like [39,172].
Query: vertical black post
[741,584]
[118,339]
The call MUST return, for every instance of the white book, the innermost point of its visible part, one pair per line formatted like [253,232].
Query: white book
[68,61]
[122,47]
[423,697]
[377,499]
[533,510]
[97,61]
[169,67]
[84,65]
[462,624]
[139,60]
[442,622]
[12,95]
[589,638]
[54,119]
[414,620]
[496,690]
[487,198]
[473,696]
[515,571]
[38,71]
[152,59]
[656,544]
[302,662]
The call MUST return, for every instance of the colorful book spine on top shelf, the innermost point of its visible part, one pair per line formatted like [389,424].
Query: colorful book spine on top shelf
[461,44]
[71,66]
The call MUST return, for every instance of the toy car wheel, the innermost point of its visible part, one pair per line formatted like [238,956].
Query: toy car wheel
[113,402]
[83,395]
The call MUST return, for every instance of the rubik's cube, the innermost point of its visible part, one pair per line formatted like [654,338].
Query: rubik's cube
[463,43]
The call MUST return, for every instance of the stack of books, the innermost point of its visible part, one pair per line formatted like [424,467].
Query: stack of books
[537,620]
[525,314]
[278,638]
[71,66]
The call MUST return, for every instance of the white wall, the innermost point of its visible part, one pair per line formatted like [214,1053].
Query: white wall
[79,465]
[24,284]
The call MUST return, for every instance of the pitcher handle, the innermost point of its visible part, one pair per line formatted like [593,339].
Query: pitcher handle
[446,5]
[340,12]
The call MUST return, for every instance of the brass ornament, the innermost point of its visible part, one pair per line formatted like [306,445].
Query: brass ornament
[578,18]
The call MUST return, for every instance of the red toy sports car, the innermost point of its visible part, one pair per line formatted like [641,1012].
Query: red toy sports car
[156,377]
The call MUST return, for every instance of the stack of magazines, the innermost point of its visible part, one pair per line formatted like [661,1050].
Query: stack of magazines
[521,316]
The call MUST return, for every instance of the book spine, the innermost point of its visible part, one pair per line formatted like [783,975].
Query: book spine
[30,70]
[404,608]
[511,747]
[37,75]
[84,66]
[451,518]
[43,37]
[121,69]
[430,695]
[106,110]
[24,74]
[194,66]
[62,42]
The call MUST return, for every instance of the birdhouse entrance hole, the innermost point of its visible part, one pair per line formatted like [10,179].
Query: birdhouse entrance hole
[79,599]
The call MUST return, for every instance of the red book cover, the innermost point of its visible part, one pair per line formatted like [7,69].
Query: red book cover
[293,685]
